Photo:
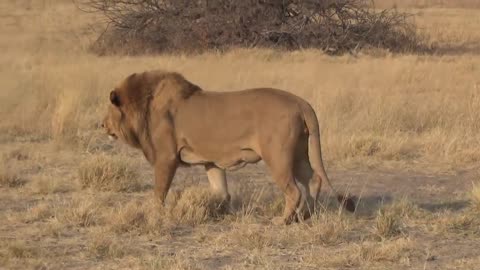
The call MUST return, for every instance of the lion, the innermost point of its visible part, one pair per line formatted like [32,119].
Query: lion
[174,122]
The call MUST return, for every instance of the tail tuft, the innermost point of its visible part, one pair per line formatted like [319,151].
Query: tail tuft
[347,202]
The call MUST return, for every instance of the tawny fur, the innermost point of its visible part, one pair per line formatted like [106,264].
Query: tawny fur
[175,122]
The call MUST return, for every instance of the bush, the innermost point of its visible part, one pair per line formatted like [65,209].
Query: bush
[334,26]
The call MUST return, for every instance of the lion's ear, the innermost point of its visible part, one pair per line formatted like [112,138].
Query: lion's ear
[131,77]
[114,98]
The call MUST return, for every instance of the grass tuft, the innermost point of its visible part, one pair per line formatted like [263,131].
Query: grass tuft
[39,212]
[177,261]
[142,217]
[21,250]
[387,223]
[328,228]
[49,185]
[104,246]
[9,176]
[475,195]
[109,174]
[388,251]
[83,212]
[195,206]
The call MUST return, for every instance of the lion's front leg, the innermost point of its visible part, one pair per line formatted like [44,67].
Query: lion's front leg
[164,173]
[164,152]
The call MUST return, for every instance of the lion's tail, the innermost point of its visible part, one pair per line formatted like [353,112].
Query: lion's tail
[315,154]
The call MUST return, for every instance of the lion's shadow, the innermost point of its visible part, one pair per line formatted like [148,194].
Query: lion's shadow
[368,206]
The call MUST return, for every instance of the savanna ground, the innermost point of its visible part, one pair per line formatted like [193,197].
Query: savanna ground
[402,132]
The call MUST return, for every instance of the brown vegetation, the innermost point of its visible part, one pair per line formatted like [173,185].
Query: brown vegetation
[8,178]
[106,173]
[336,27]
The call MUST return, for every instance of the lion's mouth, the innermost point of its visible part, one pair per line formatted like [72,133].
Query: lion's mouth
[112,137]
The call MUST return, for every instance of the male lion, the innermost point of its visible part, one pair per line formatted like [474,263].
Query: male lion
[175,122]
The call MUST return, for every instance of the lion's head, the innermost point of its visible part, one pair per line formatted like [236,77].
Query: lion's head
[130,103]
[121,121]
[112,122]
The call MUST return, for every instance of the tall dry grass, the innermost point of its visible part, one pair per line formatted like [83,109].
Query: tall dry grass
[428,3]
[376,107]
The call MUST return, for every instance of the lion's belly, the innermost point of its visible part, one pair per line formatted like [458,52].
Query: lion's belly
[229,161]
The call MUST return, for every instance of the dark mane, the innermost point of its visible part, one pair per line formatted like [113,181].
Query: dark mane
[138,89]
[186,87]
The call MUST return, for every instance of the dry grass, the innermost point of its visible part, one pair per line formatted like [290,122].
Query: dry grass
[174,262]
[400,113]
[10,175]
[475,195]
[387,224]
[461,223]
[18,249]
[49,185]
[393,251]
[109,174]
[39,212]
[143,216]
[195,206]
[10,178]
[465,223]
[190,207]
[328,229]
[80,211]
[428,3]
[386,254]
[104,246]
[391,220]
[383,119]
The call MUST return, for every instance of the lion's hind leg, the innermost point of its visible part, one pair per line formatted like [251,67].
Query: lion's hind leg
[293,198]
[305,177]
[282,173]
